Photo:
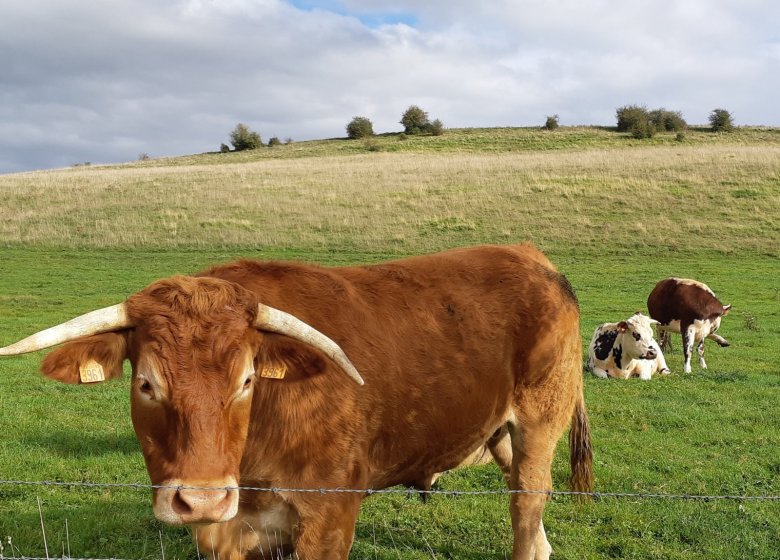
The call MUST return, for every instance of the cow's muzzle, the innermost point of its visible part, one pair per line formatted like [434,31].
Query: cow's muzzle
[185,503]
[650,354]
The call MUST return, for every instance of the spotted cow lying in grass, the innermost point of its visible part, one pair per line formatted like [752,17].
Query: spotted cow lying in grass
[626,349]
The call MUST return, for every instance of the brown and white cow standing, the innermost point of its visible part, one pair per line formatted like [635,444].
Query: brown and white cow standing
[238,379]
[690,308]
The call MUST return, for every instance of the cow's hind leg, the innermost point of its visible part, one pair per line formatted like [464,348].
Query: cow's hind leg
[664,339]
[688,336]
[533,446]
[700,348]
[500,445]
[543,549]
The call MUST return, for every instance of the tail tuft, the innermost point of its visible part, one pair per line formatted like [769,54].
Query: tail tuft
[580,450]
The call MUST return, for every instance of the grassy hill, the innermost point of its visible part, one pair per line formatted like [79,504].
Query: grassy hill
[615,214]
[571,190]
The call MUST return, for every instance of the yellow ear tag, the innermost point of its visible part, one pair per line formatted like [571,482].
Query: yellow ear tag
[274,371]
[91,372]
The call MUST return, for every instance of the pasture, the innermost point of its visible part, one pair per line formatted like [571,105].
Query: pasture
[614,214]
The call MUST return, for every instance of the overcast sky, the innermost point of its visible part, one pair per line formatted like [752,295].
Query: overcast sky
[107,80]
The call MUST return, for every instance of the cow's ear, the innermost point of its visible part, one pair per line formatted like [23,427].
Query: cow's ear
[622,326]
[87,360]
[282,357]
[726,309]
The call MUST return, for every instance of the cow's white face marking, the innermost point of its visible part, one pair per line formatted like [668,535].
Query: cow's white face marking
[715,325]
[638,339]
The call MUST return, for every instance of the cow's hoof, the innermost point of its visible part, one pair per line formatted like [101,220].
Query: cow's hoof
[725,343]
[543,551]
[665,371]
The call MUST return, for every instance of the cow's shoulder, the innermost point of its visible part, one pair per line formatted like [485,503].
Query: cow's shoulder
[604,340]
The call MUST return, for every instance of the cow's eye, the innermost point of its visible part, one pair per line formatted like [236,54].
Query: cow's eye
[248,382]
[636,336]
[146,388]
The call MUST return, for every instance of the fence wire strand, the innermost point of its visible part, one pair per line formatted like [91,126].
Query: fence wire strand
[395,490]
[368,491]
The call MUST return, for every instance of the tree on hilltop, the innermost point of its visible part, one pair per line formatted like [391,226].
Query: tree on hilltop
[360,127]
[416,121]
[244,138]
[721,121]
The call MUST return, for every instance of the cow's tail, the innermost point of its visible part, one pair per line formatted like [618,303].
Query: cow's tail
[580,450]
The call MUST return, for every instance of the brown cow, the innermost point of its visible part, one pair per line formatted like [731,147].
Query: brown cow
[690,308]
[228,389]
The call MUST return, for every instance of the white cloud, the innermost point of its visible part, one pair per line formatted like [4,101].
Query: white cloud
[105,81]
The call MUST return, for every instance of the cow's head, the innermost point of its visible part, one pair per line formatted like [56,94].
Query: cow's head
[637,333]
[714,320]
[193,345]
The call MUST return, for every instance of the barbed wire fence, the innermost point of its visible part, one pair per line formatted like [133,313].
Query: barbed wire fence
[408,492]
[397,490]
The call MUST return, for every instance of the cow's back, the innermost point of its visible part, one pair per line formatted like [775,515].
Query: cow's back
[679,299]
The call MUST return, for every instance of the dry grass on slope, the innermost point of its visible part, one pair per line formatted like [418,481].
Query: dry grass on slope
[721,197]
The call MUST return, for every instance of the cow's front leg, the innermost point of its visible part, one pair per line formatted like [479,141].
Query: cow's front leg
[263,528]
[238,539]
[719,339]
[326,526]
[645,370]
[217,541]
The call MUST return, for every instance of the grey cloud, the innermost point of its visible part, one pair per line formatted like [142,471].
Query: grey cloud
[105,81]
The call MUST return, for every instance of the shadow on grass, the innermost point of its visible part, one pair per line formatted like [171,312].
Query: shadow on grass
[80,445]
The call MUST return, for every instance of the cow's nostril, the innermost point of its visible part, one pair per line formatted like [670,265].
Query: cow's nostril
[180,504]
[201,503]
[184,502]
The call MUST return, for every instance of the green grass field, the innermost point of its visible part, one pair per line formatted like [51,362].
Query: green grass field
[614,214]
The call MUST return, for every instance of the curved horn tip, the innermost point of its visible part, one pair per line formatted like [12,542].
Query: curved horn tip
[278,321]
[98,321]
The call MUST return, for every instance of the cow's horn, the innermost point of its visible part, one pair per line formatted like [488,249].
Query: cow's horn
[111,318]
[275,320]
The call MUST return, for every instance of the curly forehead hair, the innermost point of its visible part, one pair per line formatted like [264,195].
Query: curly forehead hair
[192,297]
